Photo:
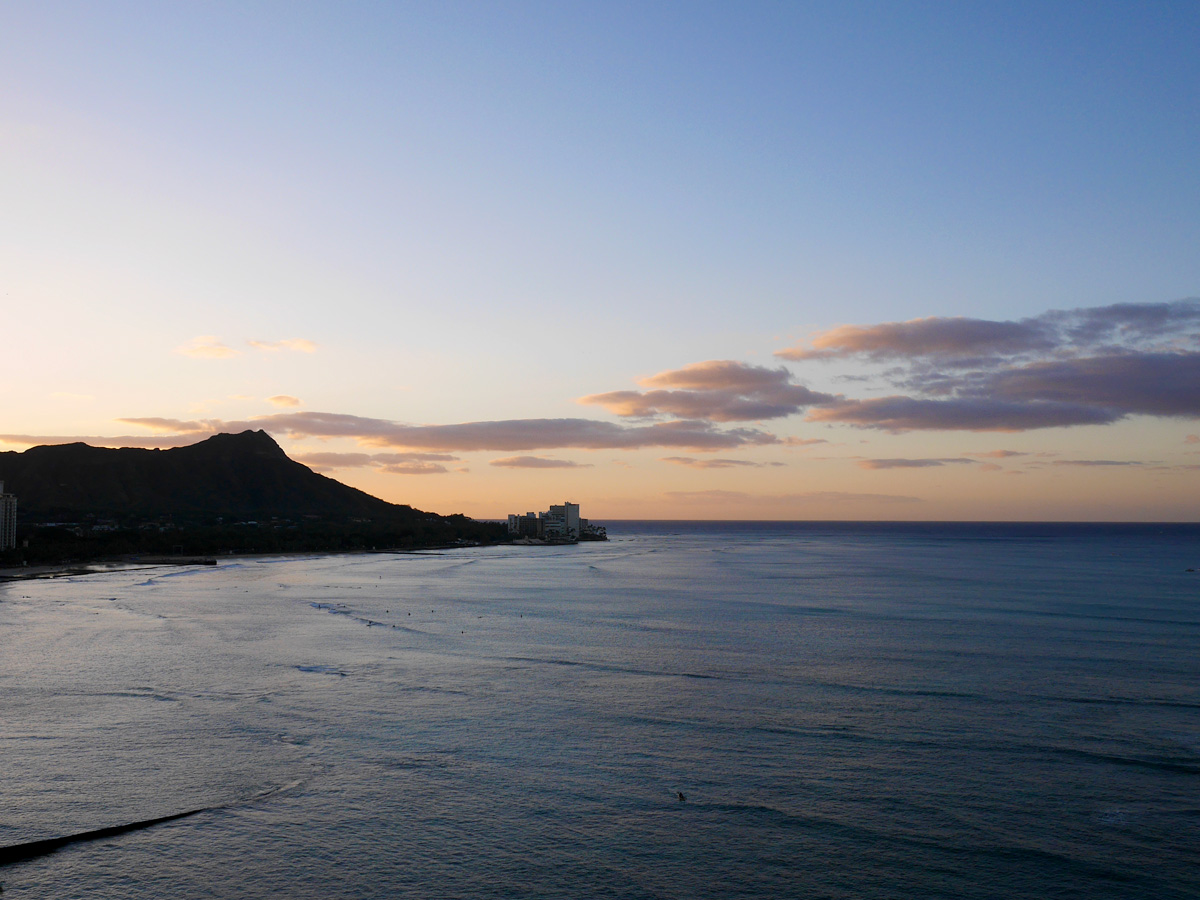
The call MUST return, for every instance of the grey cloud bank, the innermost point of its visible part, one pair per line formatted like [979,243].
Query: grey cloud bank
[899,413]
[1080,331]
[1063,368]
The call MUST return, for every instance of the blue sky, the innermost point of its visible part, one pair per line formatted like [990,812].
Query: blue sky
[484,212]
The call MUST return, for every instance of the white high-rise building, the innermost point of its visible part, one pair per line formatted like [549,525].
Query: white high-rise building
[8,519]
[568,514]
[560,524]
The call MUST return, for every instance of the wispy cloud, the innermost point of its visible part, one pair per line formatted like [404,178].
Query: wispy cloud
[806,498]
[694,463]
[332,460]
[714,391]
[911,463]
[206,347]
[284,400]
[299,345]
[415,468]
[1097,462]
[181,426]
[997,454]
[388,463]
[536,462]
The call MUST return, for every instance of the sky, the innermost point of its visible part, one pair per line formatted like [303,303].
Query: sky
[754,260]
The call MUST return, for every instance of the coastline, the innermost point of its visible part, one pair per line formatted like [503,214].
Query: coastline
[126,564]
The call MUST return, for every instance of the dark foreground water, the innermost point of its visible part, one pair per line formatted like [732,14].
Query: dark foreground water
[851,711]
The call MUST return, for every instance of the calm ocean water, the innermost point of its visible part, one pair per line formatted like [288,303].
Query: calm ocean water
[850,711]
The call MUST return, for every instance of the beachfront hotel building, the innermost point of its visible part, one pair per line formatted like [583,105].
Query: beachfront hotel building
[559,523]
[8,519]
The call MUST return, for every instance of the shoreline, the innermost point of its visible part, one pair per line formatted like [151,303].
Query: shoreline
[133,563]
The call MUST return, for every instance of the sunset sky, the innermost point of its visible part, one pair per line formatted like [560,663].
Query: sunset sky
[667,260]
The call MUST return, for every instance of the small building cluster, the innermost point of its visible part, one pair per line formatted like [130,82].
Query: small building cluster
[559,524]
[8,519]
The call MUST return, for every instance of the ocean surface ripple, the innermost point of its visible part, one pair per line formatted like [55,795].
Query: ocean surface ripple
[691,710]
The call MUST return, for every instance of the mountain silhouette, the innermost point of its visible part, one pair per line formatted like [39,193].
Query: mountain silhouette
[234,476]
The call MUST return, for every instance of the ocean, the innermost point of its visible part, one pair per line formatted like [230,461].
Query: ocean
[690,710]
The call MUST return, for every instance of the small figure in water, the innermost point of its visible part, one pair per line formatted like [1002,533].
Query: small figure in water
[679,794]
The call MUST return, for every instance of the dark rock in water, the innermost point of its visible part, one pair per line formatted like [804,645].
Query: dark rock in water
[33,849]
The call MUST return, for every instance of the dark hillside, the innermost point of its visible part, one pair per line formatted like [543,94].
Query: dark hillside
[232,492]
[243,475]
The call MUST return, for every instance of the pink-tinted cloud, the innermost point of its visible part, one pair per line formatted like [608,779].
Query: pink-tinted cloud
[719,375]
[206,347]
[1192,439]
[910,463]
[933,336]
[537,462]
[183,426]
[284,400]
[990,467]
[715,391]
